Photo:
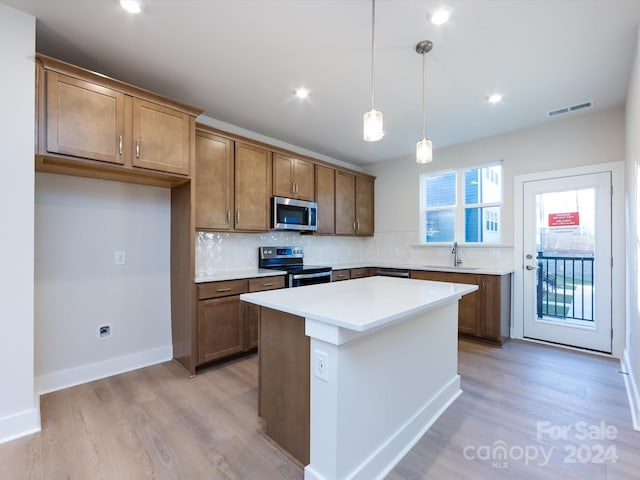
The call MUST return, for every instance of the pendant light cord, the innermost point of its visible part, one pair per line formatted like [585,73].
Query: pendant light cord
[373,44]
[424,93]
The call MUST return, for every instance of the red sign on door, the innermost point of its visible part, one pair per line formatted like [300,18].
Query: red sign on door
[567,219]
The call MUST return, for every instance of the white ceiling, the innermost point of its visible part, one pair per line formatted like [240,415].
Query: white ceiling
[240,61]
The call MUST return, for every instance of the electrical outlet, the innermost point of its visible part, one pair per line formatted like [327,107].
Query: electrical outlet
[321,365]
[119,257]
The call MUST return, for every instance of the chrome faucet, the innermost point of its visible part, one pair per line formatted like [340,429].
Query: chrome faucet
[454,252]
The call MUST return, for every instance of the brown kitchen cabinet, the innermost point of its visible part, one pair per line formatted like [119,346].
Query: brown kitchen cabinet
[252,187]
[227,326]
[483,314]
[251,311]
[325,191]
[339,275]
[85,117]
[292,177]
[359,272]
[214,182]
[354,204]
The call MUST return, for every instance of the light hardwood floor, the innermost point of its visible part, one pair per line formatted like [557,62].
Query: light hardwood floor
[154,423]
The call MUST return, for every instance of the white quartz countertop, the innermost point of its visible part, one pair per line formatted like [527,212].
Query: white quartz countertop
[361,304]
[431,268]
[238,274]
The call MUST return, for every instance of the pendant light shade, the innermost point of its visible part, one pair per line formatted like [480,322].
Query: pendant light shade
[373,125]
[424,153]
[372,128]
[424,150]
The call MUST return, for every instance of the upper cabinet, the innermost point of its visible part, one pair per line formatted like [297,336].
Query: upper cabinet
[325,187]
[84,119]
[161,138]
[292,177]
[252,187]
[354,204]
[128,132]
[214,182]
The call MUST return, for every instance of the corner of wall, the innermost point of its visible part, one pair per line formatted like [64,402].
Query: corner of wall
[632,389]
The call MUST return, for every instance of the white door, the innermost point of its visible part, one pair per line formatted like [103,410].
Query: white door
[567,260]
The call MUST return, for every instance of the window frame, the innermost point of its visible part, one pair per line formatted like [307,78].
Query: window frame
[459,232]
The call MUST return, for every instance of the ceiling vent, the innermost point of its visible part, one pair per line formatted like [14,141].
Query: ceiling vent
[572,108]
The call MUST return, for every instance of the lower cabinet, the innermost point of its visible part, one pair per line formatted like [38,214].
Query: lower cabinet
[227,326]
[485,313]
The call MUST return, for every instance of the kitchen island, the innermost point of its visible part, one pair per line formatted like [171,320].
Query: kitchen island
[352,374]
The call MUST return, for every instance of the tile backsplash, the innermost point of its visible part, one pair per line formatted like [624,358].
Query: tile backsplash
[219,251]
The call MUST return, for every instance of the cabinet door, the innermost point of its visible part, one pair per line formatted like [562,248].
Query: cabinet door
[325,190]
[214,182]
[303,178]
[252,187]
[345,203]
[251,313]
[292,177]
[84,119]
[283,184]
[221,329]
[364,206]
[160,138]
[495,318]
[468,305]
[359,273]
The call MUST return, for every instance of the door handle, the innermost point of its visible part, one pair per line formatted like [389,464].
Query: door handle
[530,267]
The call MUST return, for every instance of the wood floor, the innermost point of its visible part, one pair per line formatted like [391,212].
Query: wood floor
[154,423]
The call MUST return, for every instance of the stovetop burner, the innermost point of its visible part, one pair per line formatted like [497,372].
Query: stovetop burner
[290,259]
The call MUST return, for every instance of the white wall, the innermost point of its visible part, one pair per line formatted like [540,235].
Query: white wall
[80,223]
[575,141]
[631,358]
[19,409]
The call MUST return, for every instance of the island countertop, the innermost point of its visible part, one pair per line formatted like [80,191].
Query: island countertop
[363,304]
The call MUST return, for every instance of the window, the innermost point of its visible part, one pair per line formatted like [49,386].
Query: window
[476,220]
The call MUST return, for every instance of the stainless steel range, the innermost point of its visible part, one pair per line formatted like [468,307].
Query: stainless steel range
[291,259]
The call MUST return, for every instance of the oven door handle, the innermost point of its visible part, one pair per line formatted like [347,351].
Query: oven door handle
[301,276]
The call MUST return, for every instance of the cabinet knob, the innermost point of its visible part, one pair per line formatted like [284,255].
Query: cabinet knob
[228,216]
[220,290]
[137,148]
[237,216]
[120,144]
[267,284]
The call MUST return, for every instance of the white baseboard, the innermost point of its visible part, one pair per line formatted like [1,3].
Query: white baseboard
[632,390]
[51,382]
[21,424]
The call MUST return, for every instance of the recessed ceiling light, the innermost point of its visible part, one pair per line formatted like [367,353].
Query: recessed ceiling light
[440,16]
[494,98]
[301,92]
[131,6]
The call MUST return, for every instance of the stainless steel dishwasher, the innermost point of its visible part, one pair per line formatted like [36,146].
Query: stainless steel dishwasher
[392,272]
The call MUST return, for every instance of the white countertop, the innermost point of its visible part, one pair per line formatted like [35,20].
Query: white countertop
[361,304]
[238,274]
[431,268]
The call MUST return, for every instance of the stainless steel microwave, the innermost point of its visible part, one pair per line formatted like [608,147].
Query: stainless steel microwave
[292,214]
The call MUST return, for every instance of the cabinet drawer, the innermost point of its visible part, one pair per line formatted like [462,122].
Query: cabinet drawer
[359,272]
[339,275]
[266,283]
[222,289]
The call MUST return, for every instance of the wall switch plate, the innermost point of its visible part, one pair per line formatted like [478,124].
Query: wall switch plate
[119,257]
[321,365]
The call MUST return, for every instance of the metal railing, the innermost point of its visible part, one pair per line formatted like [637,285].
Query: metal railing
[565,287]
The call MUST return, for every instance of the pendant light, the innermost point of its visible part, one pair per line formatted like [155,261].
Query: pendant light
[424,153]
[373,118]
